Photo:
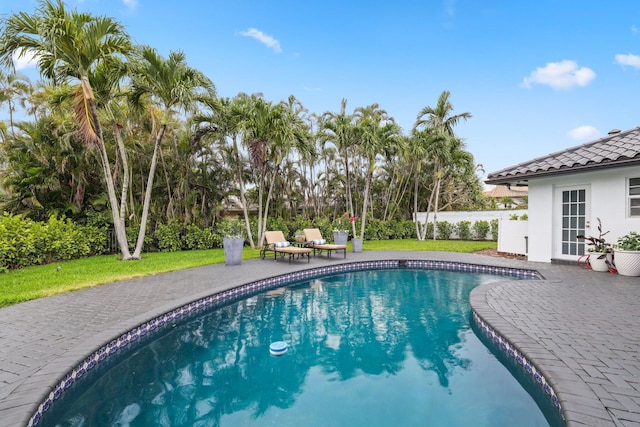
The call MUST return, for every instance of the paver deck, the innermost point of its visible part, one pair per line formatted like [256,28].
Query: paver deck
[580,328]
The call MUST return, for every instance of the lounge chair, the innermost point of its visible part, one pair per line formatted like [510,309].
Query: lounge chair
[276,243]
[317,243]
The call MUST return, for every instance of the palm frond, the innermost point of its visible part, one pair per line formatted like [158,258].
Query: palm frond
[83,96]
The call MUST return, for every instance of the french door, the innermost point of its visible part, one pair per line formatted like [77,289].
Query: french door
[572,219]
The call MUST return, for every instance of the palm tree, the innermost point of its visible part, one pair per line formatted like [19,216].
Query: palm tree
[442,146]
[271,132]
[13,86]
[417,153]
[396,178]
[338,129]
[47,171]
[69,45]
[170,83]
[376,131]
[440,117]
[227,116]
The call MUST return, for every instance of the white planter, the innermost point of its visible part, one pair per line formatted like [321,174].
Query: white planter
[232,250]
[599,264]
[356,245]
[340,238]
[627,262]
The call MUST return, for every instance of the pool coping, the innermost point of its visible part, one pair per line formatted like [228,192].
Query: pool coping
[579,408]
[123,341]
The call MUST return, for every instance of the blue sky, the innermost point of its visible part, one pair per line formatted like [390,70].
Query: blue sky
[537,76]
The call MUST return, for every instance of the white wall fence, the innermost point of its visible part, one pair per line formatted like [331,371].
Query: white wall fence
[513,236]
[501,215]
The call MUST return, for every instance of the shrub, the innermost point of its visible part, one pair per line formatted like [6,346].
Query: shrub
[280,224]
[429,232]
[404,229]
[480,229]
[168,235]
[325,226]
[376,229]
[96,238]
[198,238]
[150,242]
[24,242]
[17,242]
[397,229]
[463,228]
[58,239]
[444,230]
[299,223]
[494,229]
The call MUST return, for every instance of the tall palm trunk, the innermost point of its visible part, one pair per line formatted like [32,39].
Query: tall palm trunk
[260,205]
[118,221]
[266,206]
[416,187]
[435,207]
[348,195]
[125,169]
[400,192]
[438,175]
[170,204]
[243,198]
[147,195]
[13,131]
[365,203]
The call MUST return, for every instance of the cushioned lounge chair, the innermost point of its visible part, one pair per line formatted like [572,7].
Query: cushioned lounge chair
[317,243]
[276,243]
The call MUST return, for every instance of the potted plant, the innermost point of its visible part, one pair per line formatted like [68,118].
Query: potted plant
[600,252]
[356,242]
[233,240]
[299,236]
[341,230]
[627,254]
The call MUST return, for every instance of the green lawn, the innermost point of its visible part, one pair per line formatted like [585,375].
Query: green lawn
[44,280]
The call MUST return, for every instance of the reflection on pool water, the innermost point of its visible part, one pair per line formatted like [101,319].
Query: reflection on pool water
[371,348]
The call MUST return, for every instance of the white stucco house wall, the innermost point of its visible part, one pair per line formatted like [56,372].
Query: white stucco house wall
[570,189]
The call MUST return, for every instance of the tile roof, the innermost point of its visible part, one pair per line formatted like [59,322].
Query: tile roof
[614,150]
[503,191]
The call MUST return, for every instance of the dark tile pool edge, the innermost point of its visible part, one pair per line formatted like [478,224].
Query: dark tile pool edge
[520,359]
[223,297]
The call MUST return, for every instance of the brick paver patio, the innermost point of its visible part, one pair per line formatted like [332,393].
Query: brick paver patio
[580,328]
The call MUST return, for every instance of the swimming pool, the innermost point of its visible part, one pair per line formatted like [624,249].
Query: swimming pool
[376,347]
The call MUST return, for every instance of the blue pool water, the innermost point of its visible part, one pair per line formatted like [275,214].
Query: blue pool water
[368,348]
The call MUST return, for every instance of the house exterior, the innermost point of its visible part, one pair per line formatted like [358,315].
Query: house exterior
[508,198]
[569,190]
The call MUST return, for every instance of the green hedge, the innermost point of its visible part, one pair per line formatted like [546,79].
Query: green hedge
[24,242]
[480,229]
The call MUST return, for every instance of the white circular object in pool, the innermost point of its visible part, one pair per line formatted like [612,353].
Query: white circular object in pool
[278,348]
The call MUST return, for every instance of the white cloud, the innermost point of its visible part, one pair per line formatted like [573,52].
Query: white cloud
[131,4]
[632,60]
[560,75]
[263,38]
[27,60]
[634,30]
[584,132]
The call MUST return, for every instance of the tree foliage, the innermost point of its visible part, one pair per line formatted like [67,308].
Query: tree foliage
[143,140]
